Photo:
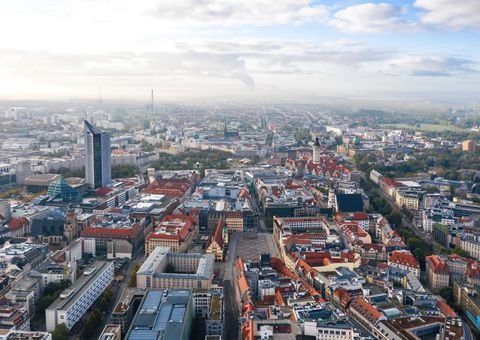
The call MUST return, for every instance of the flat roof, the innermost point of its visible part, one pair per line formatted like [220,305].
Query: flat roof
[162,315]
[80,286]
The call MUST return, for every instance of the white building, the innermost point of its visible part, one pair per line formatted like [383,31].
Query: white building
[5,210]
[75,301]
[340,330]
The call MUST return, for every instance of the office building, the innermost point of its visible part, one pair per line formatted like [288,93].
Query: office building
[174,231]
[5,210]
[164,269]
[75,301]
[163,315]
[98,161]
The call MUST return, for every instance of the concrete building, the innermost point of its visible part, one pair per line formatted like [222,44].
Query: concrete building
[164,269]
[217,242]
[316,151]
[469,146]
[408,200]
[111,332]
[12,334]
[404,260]
[329,330]
[5,211]
[75,301]
[174,231]
[472,246]
[437,272]
[163,315]
[98,157]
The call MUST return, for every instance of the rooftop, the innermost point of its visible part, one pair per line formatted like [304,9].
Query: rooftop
[161,315]
[69,296]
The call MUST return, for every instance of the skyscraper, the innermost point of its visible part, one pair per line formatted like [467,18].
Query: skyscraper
[98,159]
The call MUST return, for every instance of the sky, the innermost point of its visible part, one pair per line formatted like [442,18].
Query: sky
[57,49]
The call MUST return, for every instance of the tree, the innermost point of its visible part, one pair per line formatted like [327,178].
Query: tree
[91,325]
[459,251]
[60,332]
[395,218]
[132,282]
[447,294]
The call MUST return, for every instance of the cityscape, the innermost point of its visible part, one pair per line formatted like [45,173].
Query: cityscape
[215,170]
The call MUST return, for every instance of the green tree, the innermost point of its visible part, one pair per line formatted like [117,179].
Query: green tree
[459,251]
[60,332]
[91,325]
[447,294]
[132,282]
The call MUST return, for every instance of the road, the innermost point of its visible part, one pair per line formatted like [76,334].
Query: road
[231,330]
[405,222]
[118,288]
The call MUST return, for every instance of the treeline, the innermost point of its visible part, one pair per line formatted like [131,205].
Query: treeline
[118,171]
[446,164]
[208,159]
[418,247]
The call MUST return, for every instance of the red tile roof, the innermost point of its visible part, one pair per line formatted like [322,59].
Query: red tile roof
[404,258]
[17,223]
[360,216]
[217,235]
[103,191]
[438,266]
[176,226]
[445,309]
[105,232]
[361,306]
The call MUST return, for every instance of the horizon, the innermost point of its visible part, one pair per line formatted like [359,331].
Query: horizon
[190,50]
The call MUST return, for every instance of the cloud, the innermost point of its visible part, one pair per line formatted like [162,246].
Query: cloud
[259,12]
[125,65]
[453,14]
[423,66]
[372,18]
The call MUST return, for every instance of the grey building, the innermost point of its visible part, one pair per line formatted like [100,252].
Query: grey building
[163,315]
[98,157]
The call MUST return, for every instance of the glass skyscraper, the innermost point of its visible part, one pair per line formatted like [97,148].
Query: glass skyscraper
[98,157]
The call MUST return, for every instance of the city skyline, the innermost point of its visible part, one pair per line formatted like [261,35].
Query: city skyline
[419,49]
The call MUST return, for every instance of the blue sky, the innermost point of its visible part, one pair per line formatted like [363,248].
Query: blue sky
[252,49]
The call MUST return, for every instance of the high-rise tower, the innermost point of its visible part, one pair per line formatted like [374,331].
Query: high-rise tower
[98,157]
[151,105]
[316,151]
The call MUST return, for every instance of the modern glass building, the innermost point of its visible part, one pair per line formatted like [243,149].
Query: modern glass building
[98,157]
[59,189]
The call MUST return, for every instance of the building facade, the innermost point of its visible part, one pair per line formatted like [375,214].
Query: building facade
[75,301]
[98,158]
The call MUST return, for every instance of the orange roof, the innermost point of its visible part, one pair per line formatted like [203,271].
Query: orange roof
[239,264]
[360,216]
[243,285]
[279,300]
[404,258]
[278,265]
[176,226]
[439,266]
[17,223]
[217,235]
[105,232]
[360,305]
[445,309]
